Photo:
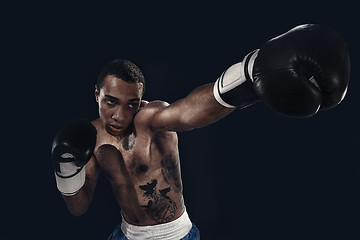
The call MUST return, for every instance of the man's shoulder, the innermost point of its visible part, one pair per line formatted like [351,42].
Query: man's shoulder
[97,123]
[101,131]
[99,126]
[147,112]
[154,105]
[144,119]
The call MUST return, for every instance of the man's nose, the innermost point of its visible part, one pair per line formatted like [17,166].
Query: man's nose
[118,115]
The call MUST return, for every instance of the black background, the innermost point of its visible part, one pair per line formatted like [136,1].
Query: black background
[255,174]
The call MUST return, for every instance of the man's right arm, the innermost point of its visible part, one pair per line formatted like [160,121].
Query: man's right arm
[75,166]
[79,203]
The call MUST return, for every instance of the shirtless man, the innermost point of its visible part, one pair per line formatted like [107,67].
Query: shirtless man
[134,143]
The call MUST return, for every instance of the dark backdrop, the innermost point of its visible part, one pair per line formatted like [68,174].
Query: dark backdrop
[253,175]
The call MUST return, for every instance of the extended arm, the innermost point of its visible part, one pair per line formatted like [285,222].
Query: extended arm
[198,109]
[207,103]
[297,74]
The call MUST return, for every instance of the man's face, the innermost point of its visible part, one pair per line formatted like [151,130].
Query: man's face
[118,103]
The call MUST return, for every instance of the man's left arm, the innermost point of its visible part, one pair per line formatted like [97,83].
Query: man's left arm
[198,109]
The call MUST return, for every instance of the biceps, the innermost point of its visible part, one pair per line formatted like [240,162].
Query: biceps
[174,117]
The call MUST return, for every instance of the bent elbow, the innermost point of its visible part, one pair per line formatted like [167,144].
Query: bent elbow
[77,212]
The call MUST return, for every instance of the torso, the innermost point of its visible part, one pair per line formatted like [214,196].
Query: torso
[146,181]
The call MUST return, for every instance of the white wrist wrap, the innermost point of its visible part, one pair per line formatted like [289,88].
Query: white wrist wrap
[69,186]
[233,77]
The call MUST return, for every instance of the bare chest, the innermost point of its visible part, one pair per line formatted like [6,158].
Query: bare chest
[137,162]
[134,158]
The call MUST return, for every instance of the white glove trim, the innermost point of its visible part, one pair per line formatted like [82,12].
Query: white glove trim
[71,185]
[233,77]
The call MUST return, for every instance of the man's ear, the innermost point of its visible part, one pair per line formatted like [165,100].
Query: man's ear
[97,93]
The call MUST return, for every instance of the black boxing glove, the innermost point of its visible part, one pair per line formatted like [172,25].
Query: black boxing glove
[72,148]
[296,73]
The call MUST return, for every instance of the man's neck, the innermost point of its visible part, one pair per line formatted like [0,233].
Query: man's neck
[128,142]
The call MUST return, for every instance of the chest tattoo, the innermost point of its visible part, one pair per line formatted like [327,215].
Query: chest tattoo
[159,206]
[171,172]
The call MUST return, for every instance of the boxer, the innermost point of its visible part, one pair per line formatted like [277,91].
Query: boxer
[134,142]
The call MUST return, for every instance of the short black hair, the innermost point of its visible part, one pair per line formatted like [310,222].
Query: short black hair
[124,69]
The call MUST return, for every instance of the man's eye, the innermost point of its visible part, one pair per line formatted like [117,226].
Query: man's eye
[109,101]
[132,105]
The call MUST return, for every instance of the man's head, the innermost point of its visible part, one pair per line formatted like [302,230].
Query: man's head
[123,69]
[119,90]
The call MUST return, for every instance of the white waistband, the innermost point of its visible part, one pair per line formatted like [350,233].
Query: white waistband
[174,230]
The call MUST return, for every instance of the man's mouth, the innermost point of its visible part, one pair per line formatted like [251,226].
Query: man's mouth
[115,128]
